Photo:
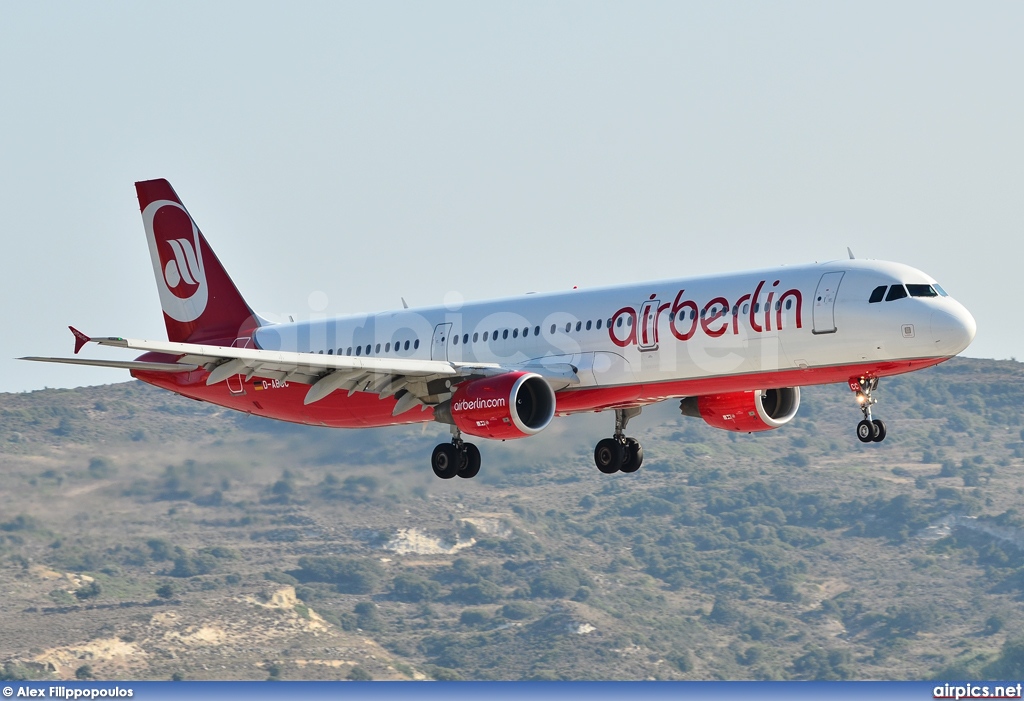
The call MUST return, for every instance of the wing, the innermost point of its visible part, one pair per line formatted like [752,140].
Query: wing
[413,381]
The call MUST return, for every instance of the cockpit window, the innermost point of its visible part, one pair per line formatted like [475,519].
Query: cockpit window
[896,292]
[941,291]
[921,291]
[877,294]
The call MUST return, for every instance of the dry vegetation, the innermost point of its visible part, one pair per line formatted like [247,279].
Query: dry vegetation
[146,536]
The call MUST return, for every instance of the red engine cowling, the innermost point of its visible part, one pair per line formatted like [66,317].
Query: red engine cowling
[511,405]
[745,412]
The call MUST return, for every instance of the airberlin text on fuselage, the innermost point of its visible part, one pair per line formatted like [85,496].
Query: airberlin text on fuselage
[685,317]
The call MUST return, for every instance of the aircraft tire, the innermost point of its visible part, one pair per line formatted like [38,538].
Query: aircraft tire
[866,431]
[633,455]
[445,461]
[879,433]
[472,461]
[608,455]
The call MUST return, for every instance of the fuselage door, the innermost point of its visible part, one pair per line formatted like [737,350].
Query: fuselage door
[439,344]
[823,312]
[647,326]
[234,382]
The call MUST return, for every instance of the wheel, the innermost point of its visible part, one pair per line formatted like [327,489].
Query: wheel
[608,455]
[879,427]
[445,461]
[471,462]
[866,431]
[633,456]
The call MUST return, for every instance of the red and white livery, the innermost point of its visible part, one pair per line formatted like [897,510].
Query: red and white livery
[735,349]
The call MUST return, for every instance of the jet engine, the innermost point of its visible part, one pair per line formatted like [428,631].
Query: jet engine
[746,412]
[510,405]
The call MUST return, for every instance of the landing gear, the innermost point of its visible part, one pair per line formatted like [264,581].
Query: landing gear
[869,430]
[455,459]
[620,453]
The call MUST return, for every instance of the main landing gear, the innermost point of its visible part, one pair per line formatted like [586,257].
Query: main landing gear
[455,459]
[869,430]
[619,453]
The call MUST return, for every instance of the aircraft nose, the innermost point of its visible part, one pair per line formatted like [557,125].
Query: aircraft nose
[953,330]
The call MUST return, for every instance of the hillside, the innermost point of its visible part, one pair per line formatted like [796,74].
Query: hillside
[147,536]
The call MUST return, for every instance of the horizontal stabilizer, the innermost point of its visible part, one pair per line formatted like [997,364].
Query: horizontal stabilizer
[80,339]
[122,364]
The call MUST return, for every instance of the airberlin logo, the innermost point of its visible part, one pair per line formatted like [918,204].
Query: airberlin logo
[471,404]
[182,273]
[718,317]
[177,260]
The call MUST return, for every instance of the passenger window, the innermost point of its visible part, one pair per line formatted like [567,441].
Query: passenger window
[629,321]
[598,323]
[536,331]
[320,352]
[330,351]
[515,333]
[455,340]
[896,292]
[618,322]
[579,325]
[568,327]
[746,308]
[552,329]
[406,346]
[377,349]
[588,325]
[476,337]
[526,331]
[387,347]
[359,350]
[416,344]
[485,335]
[349,351]
[504,335]
[465,338]
[789,304]
[877,294]
[921,291]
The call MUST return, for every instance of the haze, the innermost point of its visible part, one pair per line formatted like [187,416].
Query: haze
[339,156]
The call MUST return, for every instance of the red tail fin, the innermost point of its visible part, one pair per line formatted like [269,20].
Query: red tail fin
[200,303]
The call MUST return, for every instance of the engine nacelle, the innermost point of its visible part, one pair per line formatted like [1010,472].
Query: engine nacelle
[510,405]
[745,412]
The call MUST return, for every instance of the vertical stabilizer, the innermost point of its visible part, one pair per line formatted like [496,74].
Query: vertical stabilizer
[200,302]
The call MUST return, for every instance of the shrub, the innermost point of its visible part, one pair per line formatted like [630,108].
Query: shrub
[349,575]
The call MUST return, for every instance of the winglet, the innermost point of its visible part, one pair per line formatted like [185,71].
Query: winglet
[80,339]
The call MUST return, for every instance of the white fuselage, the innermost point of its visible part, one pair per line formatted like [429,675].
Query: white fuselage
[761,322]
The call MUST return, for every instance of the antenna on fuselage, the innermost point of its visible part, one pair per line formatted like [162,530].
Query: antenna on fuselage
[850,251]
[405,305]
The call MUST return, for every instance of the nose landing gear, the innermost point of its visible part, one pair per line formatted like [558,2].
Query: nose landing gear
[620,453]
[869,430]
[455,459]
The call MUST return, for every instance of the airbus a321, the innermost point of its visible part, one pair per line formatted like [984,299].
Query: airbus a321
[733,349]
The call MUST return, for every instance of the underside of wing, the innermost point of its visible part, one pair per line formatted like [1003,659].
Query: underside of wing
[413,382]
[122,364]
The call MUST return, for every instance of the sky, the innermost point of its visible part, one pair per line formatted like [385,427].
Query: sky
[340,156]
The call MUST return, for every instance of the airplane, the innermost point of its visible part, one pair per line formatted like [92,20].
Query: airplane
[733,349]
